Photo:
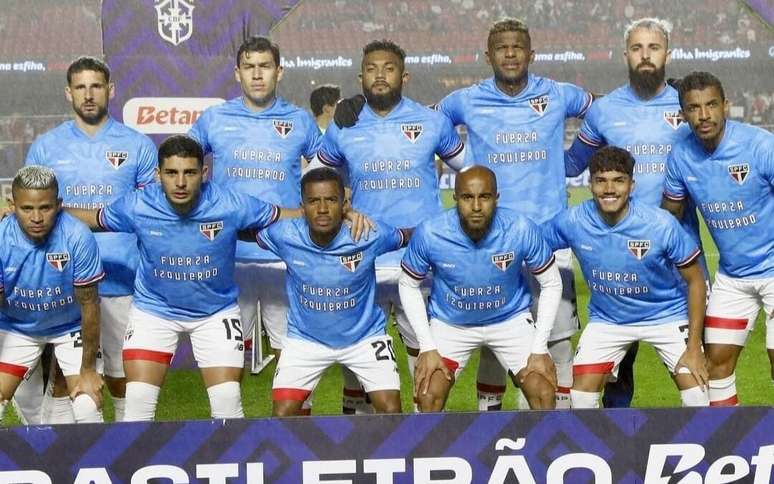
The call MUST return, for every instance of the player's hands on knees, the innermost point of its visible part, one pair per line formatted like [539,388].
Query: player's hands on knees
[542,364]
[428,363]
[348,110]
[694,360]
[359,224]
[89,382]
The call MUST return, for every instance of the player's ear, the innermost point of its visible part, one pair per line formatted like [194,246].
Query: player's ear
[668,56]
[68,94]
[236,74]
[531,56]
[111,90]
[280,73]
[158,173]
[405,77]
[726,107]
[205,171]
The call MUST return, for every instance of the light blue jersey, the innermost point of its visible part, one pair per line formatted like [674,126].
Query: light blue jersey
[520,138]
[477,284]
[186,267]
[258,153]
[39,280]
[630,268]
[332,289]
[94,171]
[734,190]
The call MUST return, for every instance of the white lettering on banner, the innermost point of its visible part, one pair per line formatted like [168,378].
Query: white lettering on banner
[165,115]
[96,475]
[709,54]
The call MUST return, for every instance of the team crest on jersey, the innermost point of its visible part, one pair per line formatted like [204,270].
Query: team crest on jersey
[639,248]
[502,261]
[58,260]
[283,128]
[350,262]
[211,229]
[739,172]
[411,131]
[539,104]
[116,158]
[175,20]
[673,118]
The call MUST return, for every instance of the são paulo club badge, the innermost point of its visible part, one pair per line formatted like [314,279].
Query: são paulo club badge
[539,104]
[411,131]
[211,229]
[503,261]
[58,260]
[116,158]
[283,128]
[673,118]
[350,262]
[739,172]
[639,248]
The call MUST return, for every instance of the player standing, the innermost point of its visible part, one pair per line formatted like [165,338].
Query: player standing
[630,254]
[727,169]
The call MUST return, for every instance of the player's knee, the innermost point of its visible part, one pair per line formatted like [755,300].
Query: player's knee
[285,408]
[720,362]
[85,410]
[430,402]
[539,392]
[225,400]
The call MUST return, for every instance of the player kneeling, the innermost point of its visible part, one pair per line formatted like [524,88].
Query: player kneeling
[479,296]
[630,254]
[331,286]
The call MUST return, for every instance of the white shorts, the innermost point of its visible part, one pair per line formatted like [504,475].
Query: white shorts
[217,340]
[602,346]
[733,308]
[302,364]
[263,282]
[20,354]
[566,323]
[388,299]
[114,317]
[510,341]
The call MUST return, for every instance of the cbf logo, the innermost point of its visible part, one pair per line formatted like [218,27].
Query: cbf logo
[211,229]
[412,131]
[116,158]
[673,118]
[539,104]
[58,260]
[739,172]
[502,261]
[175,20]
[283,128]
[639,248]
[350,262]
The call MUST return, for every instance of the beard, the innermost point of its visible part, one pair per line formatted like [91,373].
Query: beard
[383,102]
[645,84]
[91,118]
[475,233]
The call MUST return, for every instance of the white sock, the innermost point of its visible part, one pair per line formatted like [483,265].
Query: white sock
[523,403]
[119,408]
[306,407]
[490,382]
[584,399]
[3,403]
[85,410]
[141,399]
[694,397]
[28,398]
[722,392]
[561,353]
[226,400]
[57,410]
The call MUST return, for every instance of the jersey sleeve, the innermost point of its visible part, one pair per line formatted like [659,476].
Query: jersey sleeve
[577,100]
[674,186]
[538,255]
[147,161]
[87,265]
[199,131]
[119,215]
[313,138]
[254,213]
[329,153]
[390,238]
[416,261]
[764,152]
[553,232]
[681,248]
[36,154]
[449,144]
[453,107]
[270,238]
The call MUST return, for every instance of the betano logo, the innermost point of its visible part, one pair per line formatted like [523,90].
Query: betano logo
[166,115]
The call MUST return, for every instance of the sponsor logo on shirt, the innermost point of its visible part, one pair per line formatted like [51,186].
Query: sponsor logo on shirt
[211,229]
[116,158]
[586,247]
[175,20]
[639,248]
[283,128]
[539,104]
[58,260]
[447,265]
[350,262]
[673,118]
[502,261]
[739,172]
[411,131]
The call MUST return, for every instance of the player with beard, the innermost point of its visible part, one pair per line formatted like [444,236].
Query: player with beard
[642,117]
[480,298]
[389,156]
[97,160]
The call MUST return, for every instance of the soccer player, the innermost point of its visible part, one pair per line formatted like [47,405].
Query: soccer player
[323,101]
[515,124]
[333,316]
[727,169]
[257,141]
[479,296]
[643,117]
[389,156]
[97,160]
[49,270]
[630,254]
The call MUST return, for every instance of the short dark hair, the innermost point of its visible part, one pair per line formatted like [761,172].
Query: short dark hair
[322,175]
[612,158]
[698,81]
[257,43]
[385,45]
[508,24]
[326,95]
[87,63]
[182,146]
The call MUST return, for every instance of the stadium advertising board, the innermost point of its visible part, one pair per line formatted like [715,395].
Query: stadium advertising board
[655,446]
